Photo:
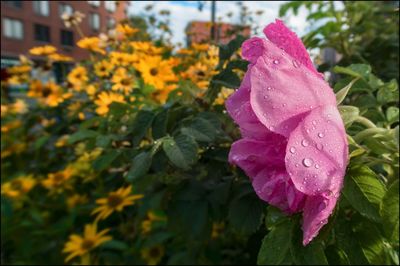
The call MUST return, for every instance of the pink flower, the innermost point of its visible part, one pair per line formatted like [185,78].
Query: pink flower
[294,146]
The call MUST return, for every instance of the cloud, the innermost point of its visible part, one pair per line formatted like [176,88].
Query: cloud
[182,12]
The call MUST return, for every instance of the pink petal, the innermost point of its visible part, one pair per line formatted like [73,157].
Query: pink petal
[276,188]
[283,93]
[239,108]
[316,212]
[317,153]
[252,49]
[288,41]
[252,156]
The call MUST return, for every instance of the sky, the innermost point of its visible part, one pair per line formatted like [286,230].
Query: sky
[182,12]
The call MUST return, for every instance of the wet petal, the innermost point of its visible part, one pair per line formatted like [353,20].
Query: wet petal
[317,153]
[252,156]
[288,41]
[276,188]
[282,94]
[252,49]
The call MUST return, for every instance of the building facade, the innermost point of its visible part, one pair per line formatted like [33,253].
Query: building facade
[25,24]
[200,32]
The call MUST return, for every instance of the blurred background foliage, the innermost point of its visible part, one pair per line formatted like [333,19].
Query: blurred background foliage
[171,144]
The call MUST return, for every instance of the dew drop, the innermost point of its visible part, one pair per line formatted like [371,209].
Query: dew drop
[276,61]
[297,165]
[269,88]
[321,135]
[314,122]
[307,162]
[296,63]
[292,150]
[320,146]
[317,166]
[265,97]
[284,105]
[305,143]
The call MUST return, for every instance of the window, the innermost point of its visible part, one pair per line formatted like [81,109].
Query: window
[41,8]
[13,28]
[94,3]
[64,8]
[110,22]
[67,38]
[94,21]
[42,33]
[16,4]
[110,5]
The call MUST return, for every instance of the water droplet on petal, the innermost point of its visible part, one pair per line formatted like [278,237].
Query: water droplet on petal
[269,88]
[296,63]
[314,122]
[307,162]
[317,166]
[305,143]
[297,165]
[265,97]
[320,146]
[292,150]
[276,61]
[321,135]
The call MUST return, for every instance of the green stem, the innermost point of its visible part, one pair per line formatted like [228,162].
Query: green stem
[368,132]
[366,122]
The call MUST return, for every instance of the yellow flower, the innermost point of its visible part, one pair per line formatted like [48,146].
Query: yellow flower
[43,50]
[103,68]
[4,110]
[72,19]
[200,74]
[105,99]
[18,186]
[153,255]
[81,116]
[122,59]
[126,29]
[116,201]
[92,44]
[62,141]
[200,47]
[49,94]
[146,48]
[147,224]
[79,246]
[155,71]
[91,90]
[217,229]
[60,58]
[58,181]
[19,107]
[76,199]
[122,81]
[10,126]
[15,70]
[78,77]
[223,95]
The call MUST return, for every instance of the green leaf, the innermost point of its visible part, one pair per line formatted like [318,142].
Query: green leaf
[340,95]
[201,130]
[40,142]
[159,128]
[389,210]
[181,151]
[392,114]
[115,244]
[364,191]
[312,254]
[348,113]
[273,217]
[140,165]
[355,70]
[371,242]
[81,135]
[275,247]
[105,160]
[141,124]
[245,213]
[227,78]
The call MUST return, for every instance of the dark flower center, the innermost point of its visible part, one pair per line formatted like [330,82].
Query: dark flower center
[87,244]
[154,252]
[153,71]
[46,92]
[201,73]
[126,81]
[114,200]
[16,184]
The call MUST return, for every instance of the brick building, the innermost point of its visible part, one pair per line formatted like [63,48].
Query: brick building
[25,24]
[200,32]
